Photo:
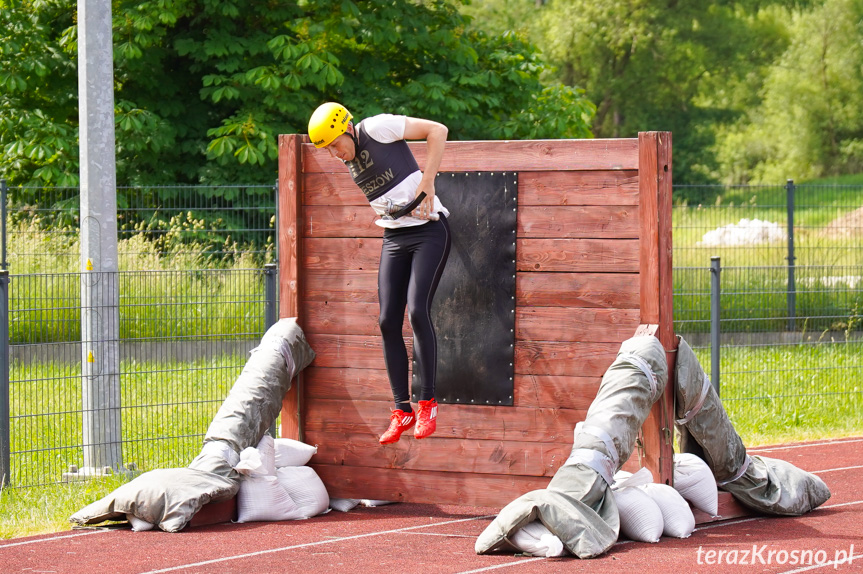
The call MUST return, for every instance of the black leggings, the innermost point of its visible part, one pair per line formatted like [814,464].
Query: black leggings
[412,261]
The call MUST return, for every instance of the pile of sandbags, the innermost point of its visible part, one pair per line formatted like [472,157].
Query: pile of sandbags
[277,484]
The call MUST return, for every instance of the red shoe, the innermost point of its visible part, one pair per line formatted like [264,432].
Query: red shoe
[426,419]
[400,421]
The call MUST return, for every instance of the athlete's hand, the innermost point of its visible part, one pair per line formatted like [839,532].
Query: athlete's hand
[425,210]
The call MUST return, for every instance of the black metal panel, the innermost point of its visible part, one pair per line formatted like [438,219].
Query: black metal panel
[474,308]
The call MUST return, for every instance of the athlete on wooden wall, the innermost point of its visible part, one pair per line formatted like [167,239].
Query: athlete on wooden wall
[416,241]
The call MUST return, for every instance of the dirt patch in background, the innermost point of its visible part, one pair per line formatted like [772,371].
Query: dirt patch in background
[849,225]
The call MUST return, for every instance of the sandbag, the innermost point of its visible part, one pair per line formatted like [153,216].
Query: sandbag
[170,498]
[702,418]
[677,518]
[344,504]
[640,517]
[537,540]
[255,399]
[306,488]
[290,452]
[262,499]
[763,484]
[694,480]
[578,506]
[778,487]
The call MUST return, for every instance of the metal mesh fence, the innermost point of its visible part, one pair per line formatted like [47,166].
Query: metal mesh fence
[196,290]
[184,337]
[195,297]
[791,300]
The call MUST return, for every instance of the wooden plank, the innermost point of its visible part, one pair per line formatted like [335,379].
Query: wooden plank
[513,155]
[578,255]
[443,454]
[290,255]
[728,508]
[395,485]
[357,351]
[564,359]
[342,253]
[340,285]
[578,188]
[531,357]
[597,221]
[540,391]
[608,290]
[507,423]
[339,318]
[575,324]
[332,189]
[534,391]
[534,188]
[340,221]
[347,384]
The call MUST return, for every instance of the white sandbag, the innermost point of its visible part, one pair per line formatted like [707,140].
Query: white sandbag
[306,489]
[263,499]
[640,516]
[535,539]
[290,452]
[343,504]
[369,503]
[139,525]
[694,480]
[677,518]
[258,461]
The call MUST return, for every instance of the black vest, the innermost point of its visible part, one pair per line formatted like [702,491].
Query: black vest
[379,167]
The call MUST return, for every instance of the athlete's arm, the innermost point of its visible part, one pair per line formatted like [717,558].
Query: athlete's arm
[435,135]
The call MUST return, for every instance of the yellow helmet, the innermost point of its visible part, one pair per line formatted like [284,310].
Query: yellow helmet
[328,122]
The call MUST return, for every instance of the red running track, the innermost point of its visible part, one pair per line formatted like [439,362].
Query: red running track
[425,538]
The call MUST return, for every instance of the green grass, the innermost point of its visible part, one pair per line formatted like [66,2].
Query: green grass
[179,295]
[787,393]
[166,408]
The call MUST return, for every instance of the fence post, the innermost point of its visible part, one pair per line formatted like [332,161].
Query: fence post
[5,437]
[3,194]
[715,313]
[271,308]
[276,220]
[792,288]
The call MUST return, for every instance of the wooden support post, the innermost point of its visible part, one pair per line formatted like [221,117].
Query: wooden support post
[290,260]
[654,176]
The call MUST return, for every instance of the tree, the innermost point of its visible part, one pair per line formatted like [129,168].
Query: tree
[808,121]
[203,87]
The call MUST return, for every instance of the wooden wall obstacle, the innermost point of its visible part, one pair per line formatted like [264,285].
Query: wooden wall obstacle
[593,265]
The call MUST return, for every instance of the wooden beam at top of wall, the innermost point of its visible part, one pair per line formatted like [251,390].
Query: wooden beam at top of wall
[654,175]
[516,155]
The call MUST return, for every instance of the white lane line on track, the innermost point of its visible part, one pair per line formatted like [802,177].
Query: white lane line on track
[835,469]
[507,565]
[803,445]
[834,563]
[842,504]
[307,544]
[51,539]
